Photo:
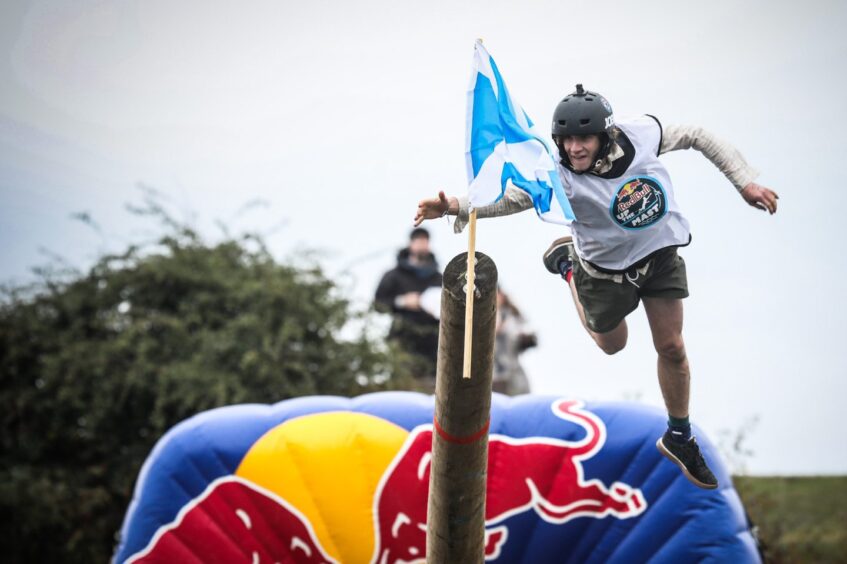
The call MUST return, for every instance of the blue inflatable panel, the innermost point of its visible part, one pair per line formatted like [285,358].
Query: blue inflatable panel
[331,479]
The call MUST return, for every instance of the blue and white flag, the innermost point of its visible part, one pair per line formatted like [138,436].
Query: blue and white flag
[503,146]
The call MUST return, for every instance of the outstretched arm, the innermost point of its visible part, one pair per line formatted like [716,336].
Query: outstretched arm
[513,201]
[724,156]
[439,206]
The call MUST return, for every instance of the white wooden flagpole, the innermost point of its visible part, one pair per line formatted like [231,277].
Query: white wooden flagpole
[470,293]
[469,298]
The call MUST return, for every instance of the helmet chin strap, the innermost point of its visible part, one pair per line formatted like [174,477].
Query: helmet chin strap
[604,148]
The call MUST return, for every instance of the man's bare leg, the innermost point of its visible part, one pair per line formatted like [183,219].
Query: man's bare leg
[611,342]
[665,318]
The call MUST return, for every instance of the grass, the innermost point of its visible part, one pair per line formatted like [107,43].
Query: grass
[799,519]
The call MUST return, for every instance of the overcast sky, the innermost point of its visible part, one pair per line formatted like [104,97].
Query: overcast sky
[342,115]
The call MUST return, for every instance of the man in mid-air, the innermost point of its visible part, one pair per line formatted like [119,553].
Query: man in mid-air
[625,236]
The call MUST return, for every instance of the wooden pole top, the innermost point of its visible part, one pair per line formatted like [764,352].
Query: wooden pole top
[455,276]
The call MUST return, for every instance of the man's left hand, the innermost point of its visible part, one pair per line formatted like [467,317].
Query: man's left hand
[760,197]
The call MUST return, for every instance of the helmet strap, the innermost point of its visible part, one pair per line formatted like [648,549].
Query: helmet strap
[605,146]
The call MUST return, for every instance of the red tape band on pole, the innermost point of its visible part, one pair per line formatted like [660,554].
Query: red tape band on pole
[461,440]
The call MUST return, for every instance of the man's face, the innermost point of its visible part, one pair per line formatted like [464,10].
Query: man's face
[419,247]
[582,150]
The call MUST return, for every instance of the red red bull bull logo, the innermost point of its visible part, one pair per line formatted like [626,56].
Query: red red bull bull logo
[308,492]
[639,202]
[537,474]
[259,527]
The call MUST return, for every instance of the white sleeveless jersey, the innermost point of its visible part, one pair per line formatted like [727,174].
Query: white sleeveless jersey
[621,220]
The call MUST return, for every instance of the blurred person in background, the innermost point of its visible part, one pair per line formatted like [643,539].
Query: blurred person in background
[512,337]
[413,329]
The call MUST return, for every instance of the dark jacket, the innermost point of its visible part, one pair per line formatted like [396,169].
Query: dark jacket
[416,331]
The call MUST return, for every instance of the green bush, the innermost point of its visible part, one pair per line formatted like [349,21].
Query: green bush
[95,367]
[798,519]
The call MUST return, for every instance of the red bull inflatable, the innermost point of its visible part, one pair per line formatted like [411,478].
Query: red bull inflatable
[340,480]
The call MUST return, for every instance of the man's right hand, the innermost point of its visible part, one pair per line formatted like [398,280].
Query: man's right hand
[432,208]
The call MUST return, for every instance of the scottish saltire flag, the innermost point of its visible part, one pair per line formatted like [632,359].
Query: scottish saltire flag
[503,146]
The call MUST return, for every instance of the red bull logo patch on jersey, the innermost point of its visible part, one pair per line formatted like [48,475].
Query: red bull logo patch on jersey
[639,202]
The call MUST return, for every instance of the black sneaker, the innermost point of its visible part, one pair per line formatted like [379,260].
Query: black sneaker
[560,250]
[687,456]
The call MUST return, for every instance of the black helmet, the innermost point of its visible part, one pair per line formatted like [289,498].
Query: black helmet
[581,113]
